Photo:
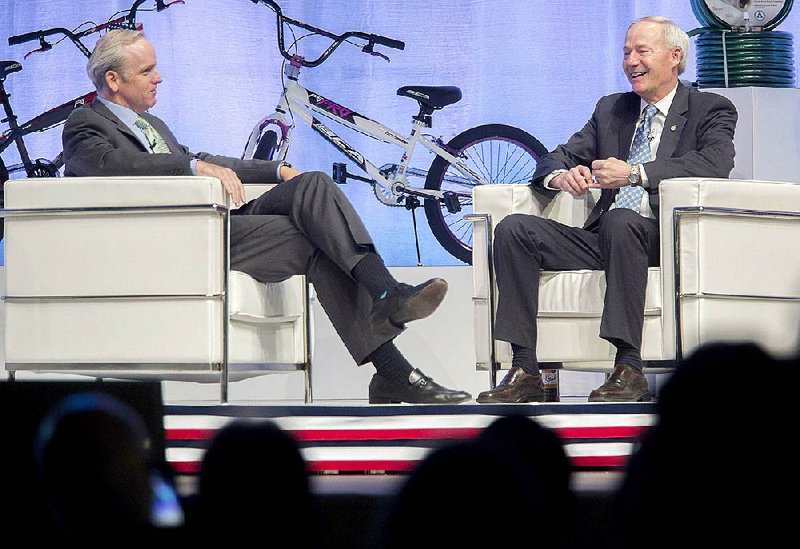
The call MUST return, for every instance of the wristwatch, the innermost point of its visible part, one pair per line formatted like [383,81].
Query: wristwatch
[281,164]
[635,176]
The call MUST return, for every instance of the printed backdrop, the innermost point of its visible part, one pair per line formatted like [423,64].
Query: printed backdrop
[538,65]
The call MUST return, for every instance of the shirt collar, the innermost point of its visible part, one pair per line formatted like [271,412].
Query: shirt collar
[663,104]
[123,113]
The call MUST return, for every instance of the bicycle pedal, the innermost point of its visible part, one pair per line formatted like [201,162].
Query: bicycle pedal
[339,174]
[451,202]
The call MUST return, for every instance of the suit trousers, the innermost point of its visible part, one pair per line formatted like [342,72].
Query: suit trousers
[307,226]
[623,243]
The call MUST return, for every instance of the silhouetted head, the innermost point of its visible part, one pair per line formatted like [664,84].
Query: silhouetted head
[253,476]
[714,462]
[93,453]
[449,498]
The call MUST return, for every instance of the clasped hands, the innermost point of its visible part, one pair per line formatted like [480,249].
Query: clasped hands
[611,173]
[231,182]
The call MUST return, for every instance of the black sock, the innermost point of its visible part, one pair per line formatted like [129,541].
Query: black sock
[628,355]
[525,358]
[390,363]
[371,272]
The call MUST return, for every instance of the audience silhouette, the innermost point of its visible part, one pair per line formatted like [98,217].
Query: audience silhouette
[710,470]
[254,482]
[98,475]
[707,472]
[466,487]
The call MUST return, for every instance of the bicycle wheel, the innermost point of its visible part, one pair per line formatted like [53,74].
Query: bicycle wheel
[267,145]
[3,172]
[3,179]
[501,154]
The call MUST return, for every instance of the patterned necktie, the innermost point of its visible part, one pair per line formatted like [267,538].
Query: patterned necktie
[631,196]
[157,143]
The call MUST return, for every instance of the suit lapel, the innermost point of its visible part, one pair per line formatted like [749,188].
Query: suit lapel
[104,111]
[673,125]
[628,111]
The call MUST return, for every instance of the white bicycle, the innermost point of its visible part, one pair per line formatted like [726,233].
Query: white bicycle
[486,154]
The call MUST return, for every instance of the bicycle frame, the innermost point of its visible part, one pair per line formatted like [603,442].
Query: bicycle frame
[298,101]
[45,121]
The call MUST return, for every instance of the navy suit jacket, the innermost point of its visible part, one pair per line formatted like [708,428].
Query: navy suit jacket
[697,141]
[97,143]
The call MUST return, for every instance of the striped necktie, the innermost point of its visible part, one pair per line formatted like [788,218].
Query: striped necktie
[630,196]
[157,143]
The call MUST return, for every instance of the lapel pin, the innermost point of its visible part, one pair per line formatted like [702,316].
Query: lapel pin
[673,128]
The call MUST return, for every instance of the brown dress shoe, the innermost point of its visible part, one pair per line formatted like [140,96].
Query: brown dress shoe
[517,386]
[626,384]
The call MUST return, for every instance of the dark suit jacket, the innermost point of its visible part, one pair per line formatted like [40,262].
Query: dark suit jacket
[97,143]
[697,141]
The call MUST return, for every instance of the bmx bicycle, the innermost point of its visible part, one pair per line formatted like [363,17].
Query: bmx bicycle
[483,155]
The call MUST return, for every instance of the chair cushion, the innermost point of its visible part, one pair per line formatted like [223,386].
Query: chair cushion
[257,302]
[581,293]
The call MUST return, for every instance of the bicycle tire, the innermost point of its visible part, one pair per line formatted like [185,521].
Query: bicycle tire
[502,154]
[3,172]
[267,145]
[3,179]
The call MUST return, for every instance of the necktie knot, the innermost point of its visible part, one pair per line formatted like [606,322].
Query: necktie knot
[157,143]
[649,112]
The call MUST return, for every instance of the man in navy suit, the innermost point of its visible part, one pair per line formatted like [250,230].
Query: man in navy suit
[305,225]
[684,132]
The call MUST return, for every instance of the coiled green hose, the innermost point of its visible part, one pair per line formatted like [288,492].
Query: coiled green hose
[729,58]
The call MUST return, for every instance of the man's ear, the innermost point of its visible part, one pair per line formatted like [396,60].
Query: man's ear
[112,81]
[677,55]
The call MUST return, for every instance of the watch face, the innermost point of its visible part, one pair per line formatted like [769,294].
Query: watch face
[741,14]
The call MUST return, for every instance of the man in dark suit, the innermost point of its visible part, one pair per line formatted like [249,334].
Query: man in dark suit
[664,130]
[305,225]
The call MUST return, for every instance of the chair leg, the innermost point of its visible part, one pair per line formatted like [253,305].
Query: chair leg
[309,395]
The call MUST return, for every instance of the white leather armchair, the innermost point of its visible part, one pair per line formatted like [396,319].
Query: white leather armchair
[128,277]
[729,271]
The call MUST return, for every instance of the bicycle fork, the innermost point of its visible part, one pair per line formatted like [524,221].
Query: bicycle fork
[11,120]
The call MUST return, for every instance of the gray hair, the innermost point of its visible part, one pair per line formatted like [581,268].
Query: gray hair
[674,36]
[109,55]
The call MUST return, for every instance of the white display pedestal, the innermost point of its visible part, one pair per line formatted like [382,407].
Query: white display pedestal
[768,132]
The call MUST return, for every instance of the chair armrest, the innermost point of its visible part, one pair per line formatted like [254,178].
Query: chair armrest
[103,240]
[736,239]
[254,190]
[101,192]
[502,200]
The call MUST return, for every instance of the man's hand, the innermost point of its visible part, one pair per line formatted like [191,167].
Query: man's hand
[230,181]
[611,173]
[576,181]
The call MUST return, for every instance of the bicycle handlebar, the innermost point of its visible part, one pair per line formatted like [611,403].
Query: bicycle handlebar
[127,21]
[338,39]
[22,38]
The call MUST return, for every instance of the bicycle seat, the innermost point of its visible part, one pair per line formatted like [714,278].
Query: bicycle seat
[434,97]
[8,67]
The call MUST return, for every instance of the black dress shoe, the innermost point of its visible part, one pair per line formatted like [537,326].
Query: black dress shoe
[626,384]
[517,386]
[405,303]
[420,389]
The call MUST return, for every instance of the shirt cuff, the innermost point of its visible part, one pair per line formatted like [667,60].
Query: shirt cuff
[549,177]
[193,166]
